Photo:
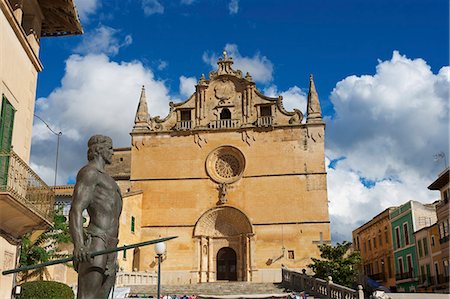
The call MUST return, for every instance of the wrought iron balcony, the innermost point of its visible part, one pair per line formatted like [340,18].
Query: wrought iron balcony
[406,275]
[264,121]
[183,125]
[26,202]
[443,240]
[224,124]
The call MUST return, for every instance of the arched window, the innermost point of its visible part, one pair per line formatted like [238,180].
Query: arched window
[225,114]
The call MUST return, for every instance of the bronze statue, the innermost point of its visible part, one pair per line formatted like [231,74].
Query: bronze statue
[98,193]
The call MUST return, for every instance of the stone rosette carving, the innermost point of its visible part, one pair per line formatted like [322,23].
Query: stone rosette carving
[225,165]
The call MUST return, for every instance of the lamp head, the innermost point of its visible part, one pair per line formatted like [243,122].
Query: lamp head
[160,248]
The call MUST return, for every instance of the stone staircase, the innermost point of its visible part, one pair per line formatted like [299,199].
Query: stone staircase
[212,288]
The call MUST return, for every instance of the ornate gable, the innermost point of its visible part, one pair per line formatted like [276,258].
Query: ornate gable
[226,101]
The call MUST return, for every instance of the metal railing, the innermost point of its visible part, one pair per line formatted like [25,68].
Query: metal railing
[135,278]
[406,275]
[224,124]
[18,179]
[264,121]
[318,287]
[184,125]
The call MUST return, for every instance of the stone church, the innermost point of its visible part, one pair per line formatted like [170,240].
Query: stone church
[240,181]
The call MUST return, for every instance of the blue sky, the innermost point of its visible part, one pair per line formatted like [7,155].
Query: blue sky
[380,68]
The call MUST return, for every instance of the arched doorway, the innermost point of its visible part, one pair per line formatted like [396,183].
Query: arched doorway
[225,240]
[226,264]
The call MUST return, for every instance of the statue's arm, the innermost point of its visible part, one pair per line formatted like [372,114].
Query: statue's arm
[82,196]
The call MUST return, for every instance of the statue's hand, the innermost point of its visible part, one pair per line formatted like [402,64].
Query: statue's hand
[81,254]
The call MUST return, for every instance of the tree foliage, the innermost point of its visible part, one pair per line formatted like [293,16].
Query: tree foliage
[45,247]
[339,262]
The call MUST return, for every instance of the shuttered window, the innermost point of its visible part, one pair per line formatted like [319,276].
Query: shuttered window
[6,130]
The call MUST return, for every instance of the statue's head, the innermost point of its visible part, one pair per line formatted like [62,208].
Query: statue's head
[99,145]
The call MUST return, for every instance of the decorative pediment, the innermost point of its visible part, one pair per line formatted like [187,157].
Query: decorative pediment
[227,100]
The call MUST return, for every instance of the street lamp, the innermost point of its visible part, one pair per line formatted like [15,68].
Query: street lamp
[57,145]
[160,249]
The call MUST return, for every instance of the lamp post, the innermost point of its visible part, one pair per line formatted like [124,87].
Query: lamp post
[57,145]
[160,248]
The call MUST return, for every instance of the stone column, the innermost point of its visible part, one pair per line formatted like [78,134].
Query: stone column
[211,271]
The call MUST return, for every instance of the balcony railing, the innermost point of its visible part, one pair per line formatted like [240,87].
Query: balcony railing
[224,124]
[24,185]
[443,240]
[135,278]
[184,125]
[264,121]
[406,275]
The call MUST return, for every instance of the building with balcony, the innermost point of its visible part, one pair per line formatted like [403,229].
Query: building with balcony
[405,220]
[26,202]
[374,242]
[239,179]
[441,260]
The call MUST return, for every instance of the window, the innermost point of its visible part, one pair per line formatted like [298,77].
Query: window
[445,264]
[370,246]
[6,131]
[132,224]
[185,115]
[357,242]
[405,231]
[225,114]
[374,243]
[445,228]
[124,254]
[400,265]
[425,246]
[432,241]
[419,247]
[397,237]
[365,246]
[386,236]
[380,241]
[291,254]
[265,111]
[441,230]
[409,263]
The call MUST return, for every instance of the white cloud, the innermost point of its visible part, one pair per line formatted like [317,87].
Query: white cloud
[152,7]
[387,126]
[187,86]
[260,67]
[96,96]
[293,98]
[233,7]
[162,65]
[102,39]
[86,8]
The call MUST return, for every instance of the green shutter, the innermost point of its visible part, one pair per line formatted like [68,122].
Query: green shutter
[6,130]
[132,224]
[425,246]
[419,244]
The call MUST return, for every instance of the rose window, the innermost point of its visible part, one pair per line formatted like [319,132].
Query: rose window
[225,164]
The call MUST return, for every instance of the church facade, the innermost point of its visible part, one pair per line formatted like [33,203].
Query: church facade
[240,181]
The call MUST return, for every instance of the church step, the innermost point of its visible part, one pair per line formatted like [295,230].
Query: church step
[212,288]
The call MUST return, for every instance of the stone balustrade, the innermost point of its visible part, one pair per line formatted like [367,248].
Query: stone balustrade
[224,124]
[124,278]
[318,287]
[184,125]
[265,121]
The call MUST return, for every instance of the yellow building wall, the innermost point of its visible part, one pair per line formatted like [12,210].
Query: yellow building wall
[282,192]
